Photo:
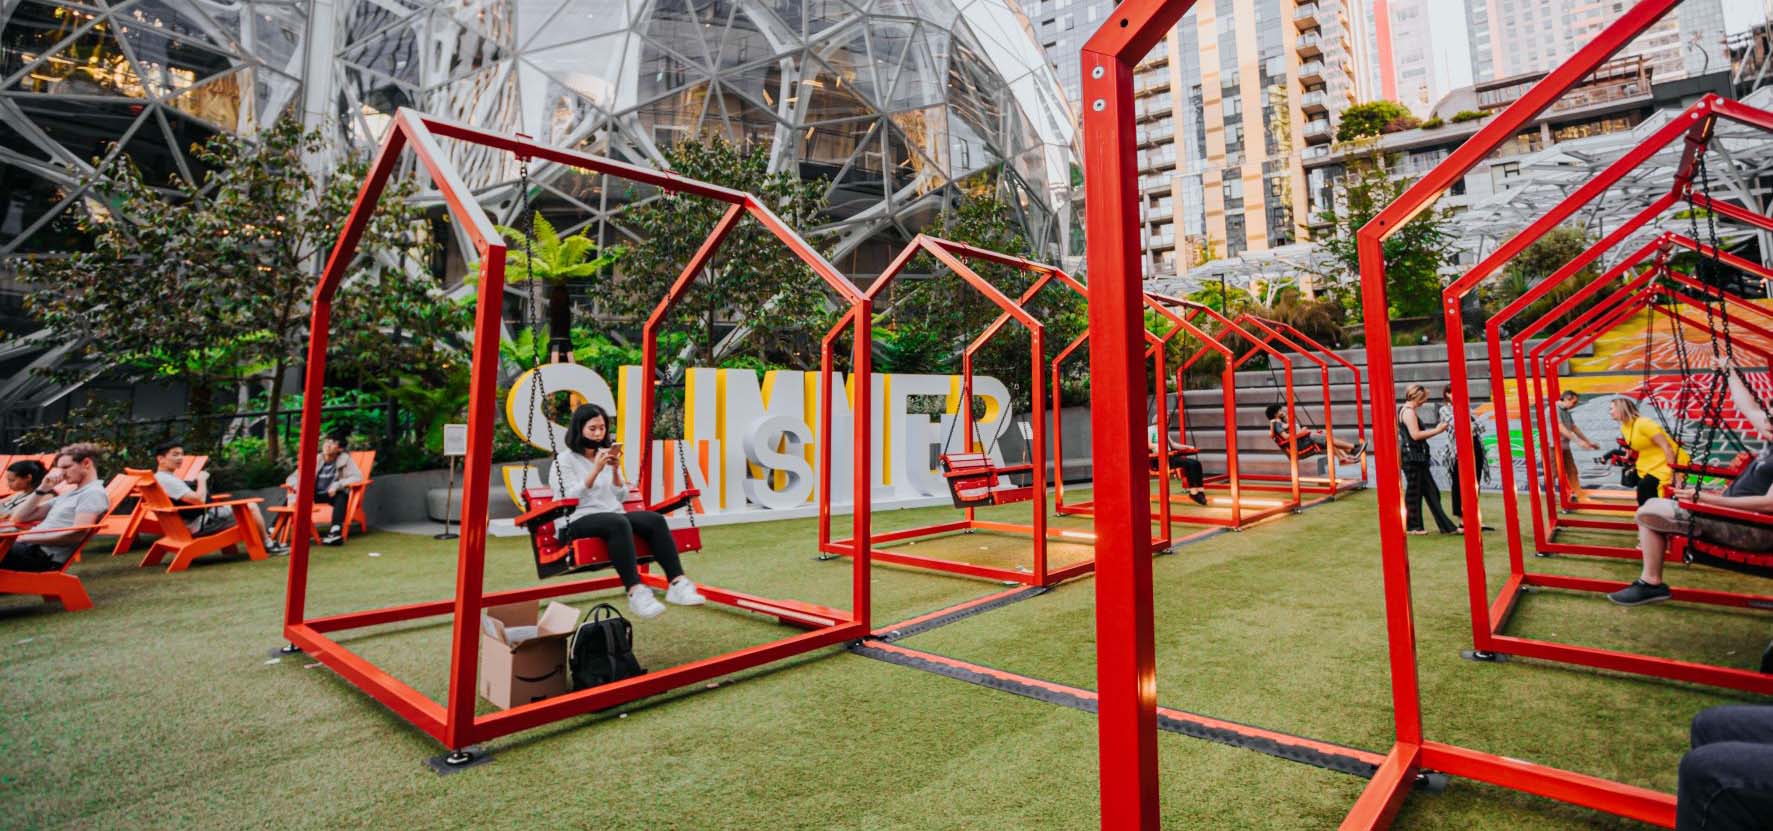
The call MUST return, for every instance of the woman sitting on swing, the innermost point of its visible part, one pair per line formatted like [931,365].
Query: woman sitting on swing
[590,471]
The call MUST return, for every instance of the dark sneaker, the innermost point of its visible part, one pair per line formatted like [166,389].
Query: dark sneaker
[334,536]
[1640,593]
[276,549]
[1359,448]
[1199,497]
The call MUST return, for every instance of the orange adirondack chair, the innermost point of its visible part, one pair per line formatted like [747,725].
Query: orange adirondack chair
[283,528]
[47,460]
[140,520]
[57,585]
[177,539]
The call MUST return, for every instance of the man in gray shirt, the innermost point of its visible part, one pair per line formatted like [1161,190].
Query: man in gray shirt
[61,520]
[1567,430]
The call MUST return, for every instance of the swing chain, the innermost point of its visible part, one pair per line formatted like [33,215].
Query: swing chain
[537,388]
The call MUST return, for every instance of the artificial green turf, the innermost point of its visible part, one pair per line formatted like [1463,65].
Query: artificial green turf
[160,707]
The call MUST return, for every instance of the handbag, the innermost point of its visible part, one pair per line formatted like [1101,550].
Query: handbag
[603,649]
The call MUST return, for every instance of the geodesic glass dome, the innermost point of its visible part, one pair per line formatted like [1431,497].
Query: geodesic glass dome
[894,102]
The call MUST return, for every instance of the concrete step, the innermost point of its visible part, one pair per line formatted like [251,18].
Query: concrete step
[1262,395]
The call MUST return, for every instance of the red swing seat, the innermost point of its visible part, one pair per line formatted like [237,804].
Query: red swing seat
[1758,563]
[554,558]
[1289,445]
[1728,470]
[973,480]
[1179,449]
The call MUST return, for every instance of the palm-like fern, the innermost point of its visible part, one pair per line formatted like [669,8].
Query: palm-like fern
[553,261]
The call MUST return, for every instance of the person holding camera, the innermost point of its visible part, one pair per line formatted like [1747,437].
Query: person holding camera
[590,471]
[1656,452]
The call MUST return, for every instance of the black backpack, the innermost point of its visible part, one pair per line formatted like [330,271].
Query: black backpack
[603,649]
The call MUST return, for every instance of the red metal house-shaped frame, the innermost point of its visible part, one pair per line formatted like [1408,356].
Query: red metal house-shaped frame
[454,722]
[1550,500]
[1124,668]
[953,256]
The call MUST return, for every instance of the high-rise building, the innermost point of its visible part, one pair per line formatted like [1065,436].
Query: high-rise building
[1403,66]
[1062,26]
[1517,37]
[1228,107]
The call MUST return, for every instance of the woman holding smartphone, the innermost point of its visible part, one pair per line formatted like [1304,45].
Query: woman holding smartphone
[590,471]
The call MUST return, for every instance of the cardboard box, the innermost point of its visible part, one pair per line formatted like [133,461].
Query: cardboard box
[523,657]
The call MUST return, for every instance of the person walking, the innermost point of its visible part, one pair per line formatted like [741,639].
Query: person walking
[1418,479]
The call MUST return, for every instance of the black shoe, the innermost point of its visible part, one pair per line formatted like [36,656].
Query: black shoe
[333,537]
[1199,497]
[1640,593]
[276,549]
[1359,448]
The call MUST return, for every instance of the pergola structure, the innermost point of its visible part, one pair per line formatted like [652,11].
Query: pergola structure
[455,722]
[1125,654]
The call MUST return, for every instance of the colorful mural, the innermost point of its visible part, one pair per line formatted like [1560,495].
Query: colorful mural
[1642,358]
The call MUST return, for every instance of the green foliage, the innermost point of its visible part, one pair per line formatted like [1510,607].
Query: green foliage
[1432,123]
[548,257]
[214,290]
[1373,118]
[752,282]
[1546,255]
[941,314]
[1468,115]
[1414,256]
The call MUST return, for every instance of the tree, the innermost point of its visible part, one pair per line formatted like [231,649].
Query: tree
[1538,261]
[754,299]
[945,313]
[555,262]
[1374,118]
[216,287]
[1414,256]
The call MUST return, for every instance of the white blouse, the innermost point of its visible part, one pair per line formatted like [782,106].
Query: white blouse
[568,477]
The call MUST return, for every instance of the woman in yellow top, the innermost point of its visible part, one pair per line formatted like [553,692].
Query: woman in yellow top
[1654,448]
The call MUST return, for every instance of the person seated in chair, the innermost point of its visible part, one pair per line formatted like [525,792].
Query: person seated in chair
[1660,519]
[49,545]
[1310,441]
[590,471]
[332,485]
[22,477]
[168,455]
[1181,460]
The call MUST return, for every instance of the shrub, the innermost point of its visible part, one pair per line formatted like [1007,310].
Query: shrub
[1468,115]
[1433,123]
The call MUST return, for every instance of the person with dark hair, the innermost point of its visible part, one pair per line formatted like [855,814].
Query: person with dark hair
[333,479]
[168,456]
[1183,462]
[22,477]
[1567,430]
[1307,442]
[1660,520]
[1414,454]
[48,545]
[1726,780]
[590,471]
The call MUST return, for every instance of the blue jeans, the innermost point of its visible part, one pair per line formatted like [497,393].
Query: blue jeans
[1726,780]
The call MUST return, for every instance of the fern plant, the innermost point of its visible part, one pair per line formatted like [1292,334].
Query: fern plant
[556,262]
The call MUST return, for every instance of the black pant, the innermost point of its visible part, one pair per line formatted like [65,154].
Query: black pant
[28,556]
[618,530]
[1419,485]
[1649,487]
[341,504]
[1726,780]
[1477,452]
[1190,467]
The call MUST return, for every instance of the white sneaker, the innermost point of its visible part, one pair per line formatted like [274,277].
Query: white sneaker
[682,592]
[643,604]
